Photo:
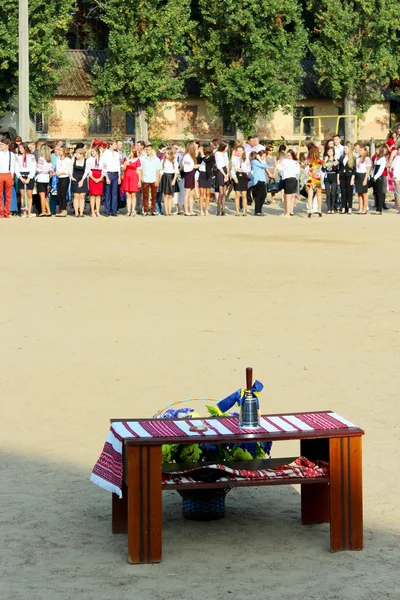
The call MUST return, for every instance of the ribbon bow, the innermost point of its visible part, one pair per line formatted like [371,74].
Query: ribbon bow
[238,397]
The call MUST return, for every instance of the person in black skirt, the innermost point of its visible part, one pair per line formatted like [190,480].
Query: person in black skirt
[168,186]
[347,175]
[289,168]
[239,172]
[44,170]
[221,178]
[79,183]
[206,171]
[189,166]
[363,170]
[25,170]
[379,180]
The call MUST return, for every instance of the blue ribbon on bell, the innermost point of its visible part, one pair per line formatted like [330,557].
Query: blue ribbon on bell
[238,397]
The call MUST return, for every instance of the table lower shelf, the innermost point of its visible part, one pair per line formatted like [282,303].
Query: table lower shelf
[236,483]
[276,471]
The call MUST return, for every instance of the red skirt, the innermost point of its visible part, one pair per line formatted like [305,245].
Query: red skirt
[96,189]
[190,180]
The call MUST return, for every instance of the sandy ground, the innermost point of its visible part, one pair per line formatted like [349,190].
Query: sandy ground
[116,318]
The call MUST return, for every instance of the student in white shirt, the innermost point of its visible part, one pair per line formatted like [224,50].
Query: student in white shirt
[378,179]
[240,168]
[178,199]
[43,172]
[363,169]
[150,168]
[168,186]
[337,146]
[189,166]
[7,170]
[221,178]
[64,174]
[253,145]
[289,168]
[94,166]
[206,169]
[395,168]
[112,174]
[25,170]
[338,150]
[356,150]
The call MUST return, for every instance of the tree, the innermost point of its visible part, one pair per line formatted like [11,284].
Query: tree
[247,57]
[86,30]
[48,24]
[148,47]
[356,50]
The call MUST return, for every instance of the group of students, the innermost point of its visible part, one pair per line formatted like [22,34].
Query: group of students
[169,180]
[347,168]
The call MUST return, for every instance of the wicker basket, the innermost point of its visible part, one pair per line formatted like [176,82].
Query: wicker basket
[203,505]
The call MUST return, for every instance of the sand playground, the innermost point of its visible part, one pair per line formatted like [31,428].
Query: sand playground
[106,318]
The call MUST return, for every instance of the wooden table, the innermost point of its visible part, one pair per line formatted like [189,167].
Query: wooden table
[336,500]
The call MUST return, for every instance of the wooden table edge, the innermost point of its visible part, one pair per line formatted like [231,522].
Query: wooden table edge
[244,437]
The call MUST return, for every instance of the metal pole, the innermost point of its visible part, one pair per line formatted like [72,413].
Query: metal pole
[23,68]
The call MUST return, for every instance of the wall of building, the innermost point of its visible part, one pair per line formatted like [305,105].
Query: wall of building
[191,120]
[282,125]
[69,118]
[375,123]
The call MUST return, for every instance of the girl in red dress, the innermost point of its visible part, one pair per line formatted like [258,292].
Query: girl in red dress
[131,182]
[95,168]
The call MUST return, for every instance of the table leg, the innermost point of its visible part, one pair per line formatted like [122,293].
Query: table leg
[345,493]
[119,512]
[144,504]
[315,496]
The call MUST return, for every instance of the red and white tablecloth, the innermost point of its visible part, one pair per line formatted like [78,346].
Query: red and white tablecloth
[108,471]
[300,467]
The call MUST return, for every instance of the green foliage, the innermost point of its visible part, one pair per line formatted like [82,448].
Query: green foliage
[169,452]
[148,47]
[209,452]
[247,56]
[166,453]
[190,453]
[48,24]
[356,47]
[241,454]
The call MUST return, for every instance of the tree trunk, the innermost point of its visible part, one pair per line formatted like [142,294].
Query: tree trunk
[350,107]
[141,128]
[239,135]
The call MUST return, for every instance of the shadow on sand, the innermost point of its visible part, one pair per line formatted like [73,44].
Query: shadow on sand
[57,545]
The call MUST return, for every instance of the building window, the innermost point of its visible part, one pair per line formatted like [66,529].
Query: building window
[41,123]
[130,123]
[299,113]
[100,122]
[228,127]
